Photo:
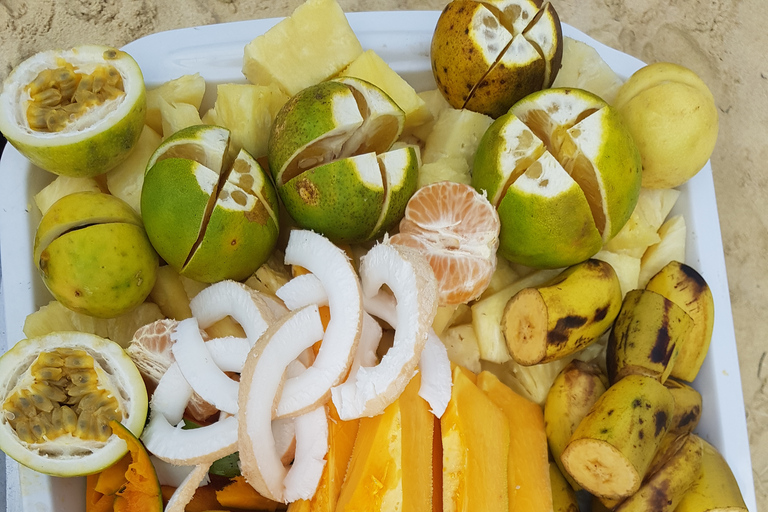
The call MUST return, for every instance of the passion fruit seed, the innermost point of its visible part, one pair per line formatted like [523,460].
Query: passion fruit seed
[61,95]
[63,398]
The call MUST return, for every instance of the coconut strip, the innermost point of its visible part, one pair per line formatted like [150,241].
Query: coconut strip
[230,298]
[186,491]
[197,366]
[172,395]
[334,270]
[172,475]
[302,291]
[193,446]
[260,384]
[229,353]
[311,447]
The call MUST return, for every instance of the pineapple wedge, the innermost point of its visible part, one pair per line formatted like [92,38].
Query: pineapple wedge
[461,344]
[641,230]
[670,248]
[177,115]
[627,269]
[188,89]
[125,180]
[314,43]
[63,186]
[372,68]
[456,133]
[583,68]
[445,169]
[436,103]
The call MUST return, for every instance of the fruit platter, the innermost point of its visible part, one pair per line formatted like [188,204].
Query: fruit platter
[215,387]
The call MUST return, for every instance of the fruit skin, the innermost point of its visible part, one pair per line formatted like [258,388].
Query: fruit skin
[684,286]
[673,119]
[664,488]
[548,322]
[715,489]
[563,497]
[102,265]
[573,393]
[74,155]
[614,445]
[687,407]
[646,336]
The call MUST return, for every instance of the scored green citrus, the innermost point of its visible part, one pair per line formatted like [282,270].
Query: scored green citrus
[564,174]
[328,152]
[77,112]
[209,223]
[58,394]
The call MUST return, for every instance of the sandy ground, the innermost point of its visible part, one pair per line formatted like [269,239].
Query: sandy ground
[722,40]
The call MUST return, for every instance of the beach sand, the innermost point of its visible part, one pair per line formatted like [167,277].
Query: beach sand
[721,40]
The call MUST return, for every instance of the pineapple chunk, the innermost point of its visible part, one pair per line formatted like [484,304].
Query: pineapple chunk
[176,116]
[271,276]
[247,111]
[125,180]
[461,344]
[583,68]
[654,205]
[456,133]
[445,169]
[475,437]
[369,66]
[188,89]
[314,43]
[627,268]
[671,248]
[448,316]
[436,103]
[169,294]
[391,464]
[63,186]
[641,230]
[503,276]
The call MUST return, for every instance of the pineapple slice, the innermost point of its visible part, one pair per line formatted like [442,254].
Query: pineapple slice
[583,68]
[456,133]
[177,115]
[670,248]
[271,276]
[445,169]
[504,275]
[448,316]
[641,230]
[125,180]
[247,111]
[369,66]
[63,186]
[314,43]
[188,89]
[436,103]
[627,269]
[461,344]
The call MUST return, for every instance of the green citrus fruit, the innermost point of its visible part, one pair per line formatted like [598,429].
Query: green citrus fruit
[93,254]
[77,112]
[59,392]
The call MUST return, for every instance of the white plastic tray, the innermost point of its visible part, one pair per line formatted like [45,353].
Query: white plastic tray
[403,40]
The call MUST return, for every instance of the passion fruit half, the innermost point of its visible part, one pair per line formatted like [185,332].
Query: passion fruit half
[58,394]
[77,112]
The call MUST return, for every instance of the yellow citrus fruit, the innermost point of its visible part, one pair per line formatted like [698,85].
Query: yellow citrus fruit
[59,392]
[564,174]
[76,112]
[329,152]
[672,117]
[93,254]
[207,220]
[488,55]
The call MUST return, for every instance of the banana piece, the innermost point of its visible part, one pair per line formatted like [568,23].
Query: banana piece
[613,446]
[685,287]
[573,393]
[715,489]
[663,489]
[603,504]
[687,407]
[646,337]
[563,497]
[565,315]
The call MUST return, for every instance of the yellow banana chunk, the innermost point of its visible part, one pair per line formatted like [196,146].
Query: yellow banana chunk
[687,407]
[563,497]
[715,489]
[613,446]
[646,337]
[573,393]
[663,490]
[685,287]
[570,312]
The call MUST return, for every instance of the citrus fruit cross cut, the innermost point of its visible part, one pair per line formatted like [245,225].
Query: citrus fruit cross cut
[329,152]
[564,174]
[77,112]
[208,217]
[58,394]
[488,55]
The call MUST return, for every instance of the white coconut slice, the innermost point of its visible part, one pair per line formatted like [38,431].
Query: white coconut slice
[284,432]
[436,379]
[188,447]
[197,366]
[172,395]
[186,491]
[408,274]
[302,291]
[311,448]
[365,355]
[260,384]
[274,303]
[334,270]
[229,352]
[230,298]
[172,475]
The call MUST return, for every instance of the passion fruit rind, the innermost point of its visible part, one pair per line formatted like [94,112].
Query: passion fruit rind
[77,152]
[87,366]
